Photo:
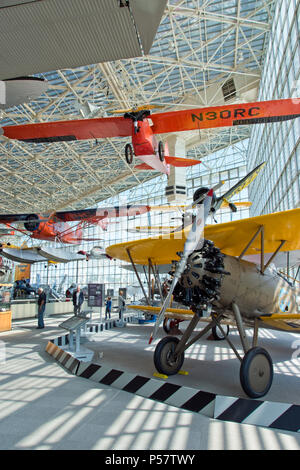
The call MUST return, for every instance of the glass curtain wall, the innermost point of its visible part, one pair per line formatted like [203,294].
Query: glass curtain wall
[278,188]
[228,165]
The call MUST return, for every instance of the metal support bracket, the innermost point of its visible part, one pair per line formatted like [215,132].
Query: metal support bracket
[137,275]
[261,231]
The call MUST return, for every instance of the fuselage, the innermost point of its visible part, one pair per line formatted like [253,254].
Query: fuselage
[145,146]
[57,231]
[256,293]
[221,280]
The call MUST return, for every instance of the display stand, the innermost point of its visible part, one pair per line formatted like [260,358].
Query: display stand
[74,325]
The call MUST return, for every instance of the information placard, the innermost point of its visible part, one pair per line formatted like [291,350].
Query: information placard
[95,295]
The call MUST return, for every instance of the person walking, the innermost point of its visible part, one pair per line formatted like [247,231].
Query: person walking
[108,308]
[77,300]
[121,305]
[41,308]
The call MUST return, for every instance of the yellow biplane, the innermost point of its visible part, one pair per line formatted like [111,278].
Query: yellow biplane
[228,276]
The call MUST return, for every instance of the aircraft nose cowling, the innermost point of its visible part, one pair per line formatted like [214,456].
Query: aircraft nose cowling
[201,280]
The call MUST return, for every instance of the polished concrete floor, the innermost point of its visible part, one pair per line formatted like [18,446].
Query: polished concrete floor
[211,365]
[42,406]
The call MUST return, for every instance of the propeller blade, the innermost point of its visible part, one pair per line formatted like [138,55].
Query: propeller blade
[193,242]
[242,184]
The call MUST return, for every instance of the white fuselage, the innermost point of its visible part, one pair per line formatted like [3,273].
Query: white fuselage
[257,293]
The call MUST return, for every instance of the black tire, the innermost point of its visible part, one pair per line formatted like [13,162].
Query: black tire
[217,333]
[256,372]
[128,153]
[161,151]
[164,360]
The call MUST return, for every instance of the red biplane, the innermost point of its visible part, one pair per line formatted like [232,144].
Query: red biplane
[143,126]
[56,226]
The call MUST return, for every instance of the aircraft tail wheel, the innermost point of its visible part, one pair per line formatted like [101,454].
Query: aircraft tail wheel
[217,333]
[167,325]
[161,151]
[128,153]
[256,372]
[164,359]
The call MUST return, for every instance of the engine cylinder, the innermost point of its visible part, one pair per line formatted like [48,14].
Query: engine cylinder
[211,277]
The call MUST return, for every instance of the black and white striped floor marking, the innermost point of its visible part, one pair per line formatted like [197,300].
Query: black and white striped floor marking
[271,415]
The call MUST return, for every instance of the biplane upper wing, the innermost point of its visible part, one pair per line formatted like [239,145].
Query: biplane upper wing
[230,237]
[281,322]
[226,115]
[173,121]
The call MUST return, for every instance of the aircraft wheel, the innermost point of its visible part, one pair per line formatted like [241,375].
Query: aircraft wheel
[217,333]
[164,359]
[256,372]
[161,151]
[128,153]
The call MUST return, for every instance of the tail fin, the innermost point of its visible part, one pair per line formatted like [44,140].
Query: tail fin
[178,161]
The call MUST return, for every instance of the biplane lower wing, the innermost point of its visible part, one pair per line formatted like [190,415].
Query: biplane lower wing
[281,322]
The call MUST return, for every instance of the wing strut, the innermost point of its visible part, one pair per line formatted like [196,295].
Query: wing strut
[261,231]
[137,275]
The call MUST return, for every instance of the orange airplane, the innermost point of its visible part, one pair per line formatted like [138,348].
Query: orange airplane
[136,123]
[56,227]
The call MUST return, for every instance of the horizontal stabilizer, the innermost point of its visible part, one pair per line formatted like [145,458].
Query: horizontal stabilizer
[181,162]
[143,166]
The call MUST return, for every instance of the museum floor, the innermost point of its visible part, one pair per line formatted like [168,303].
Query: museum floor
[43,406]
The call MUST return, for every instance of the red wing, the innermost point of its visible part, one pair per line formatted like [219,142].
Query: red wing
[94,215]
[79,129]
[181,162]
[226,115]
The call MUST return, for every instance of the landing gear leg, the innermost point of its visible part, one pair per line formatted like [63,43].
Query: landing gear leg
[128,153]
[169,353]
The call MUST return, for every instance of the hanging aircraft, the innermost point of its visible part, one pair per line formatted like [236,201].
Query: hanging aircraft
[218,202]
[56,226]
[212,282]
[143,126]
